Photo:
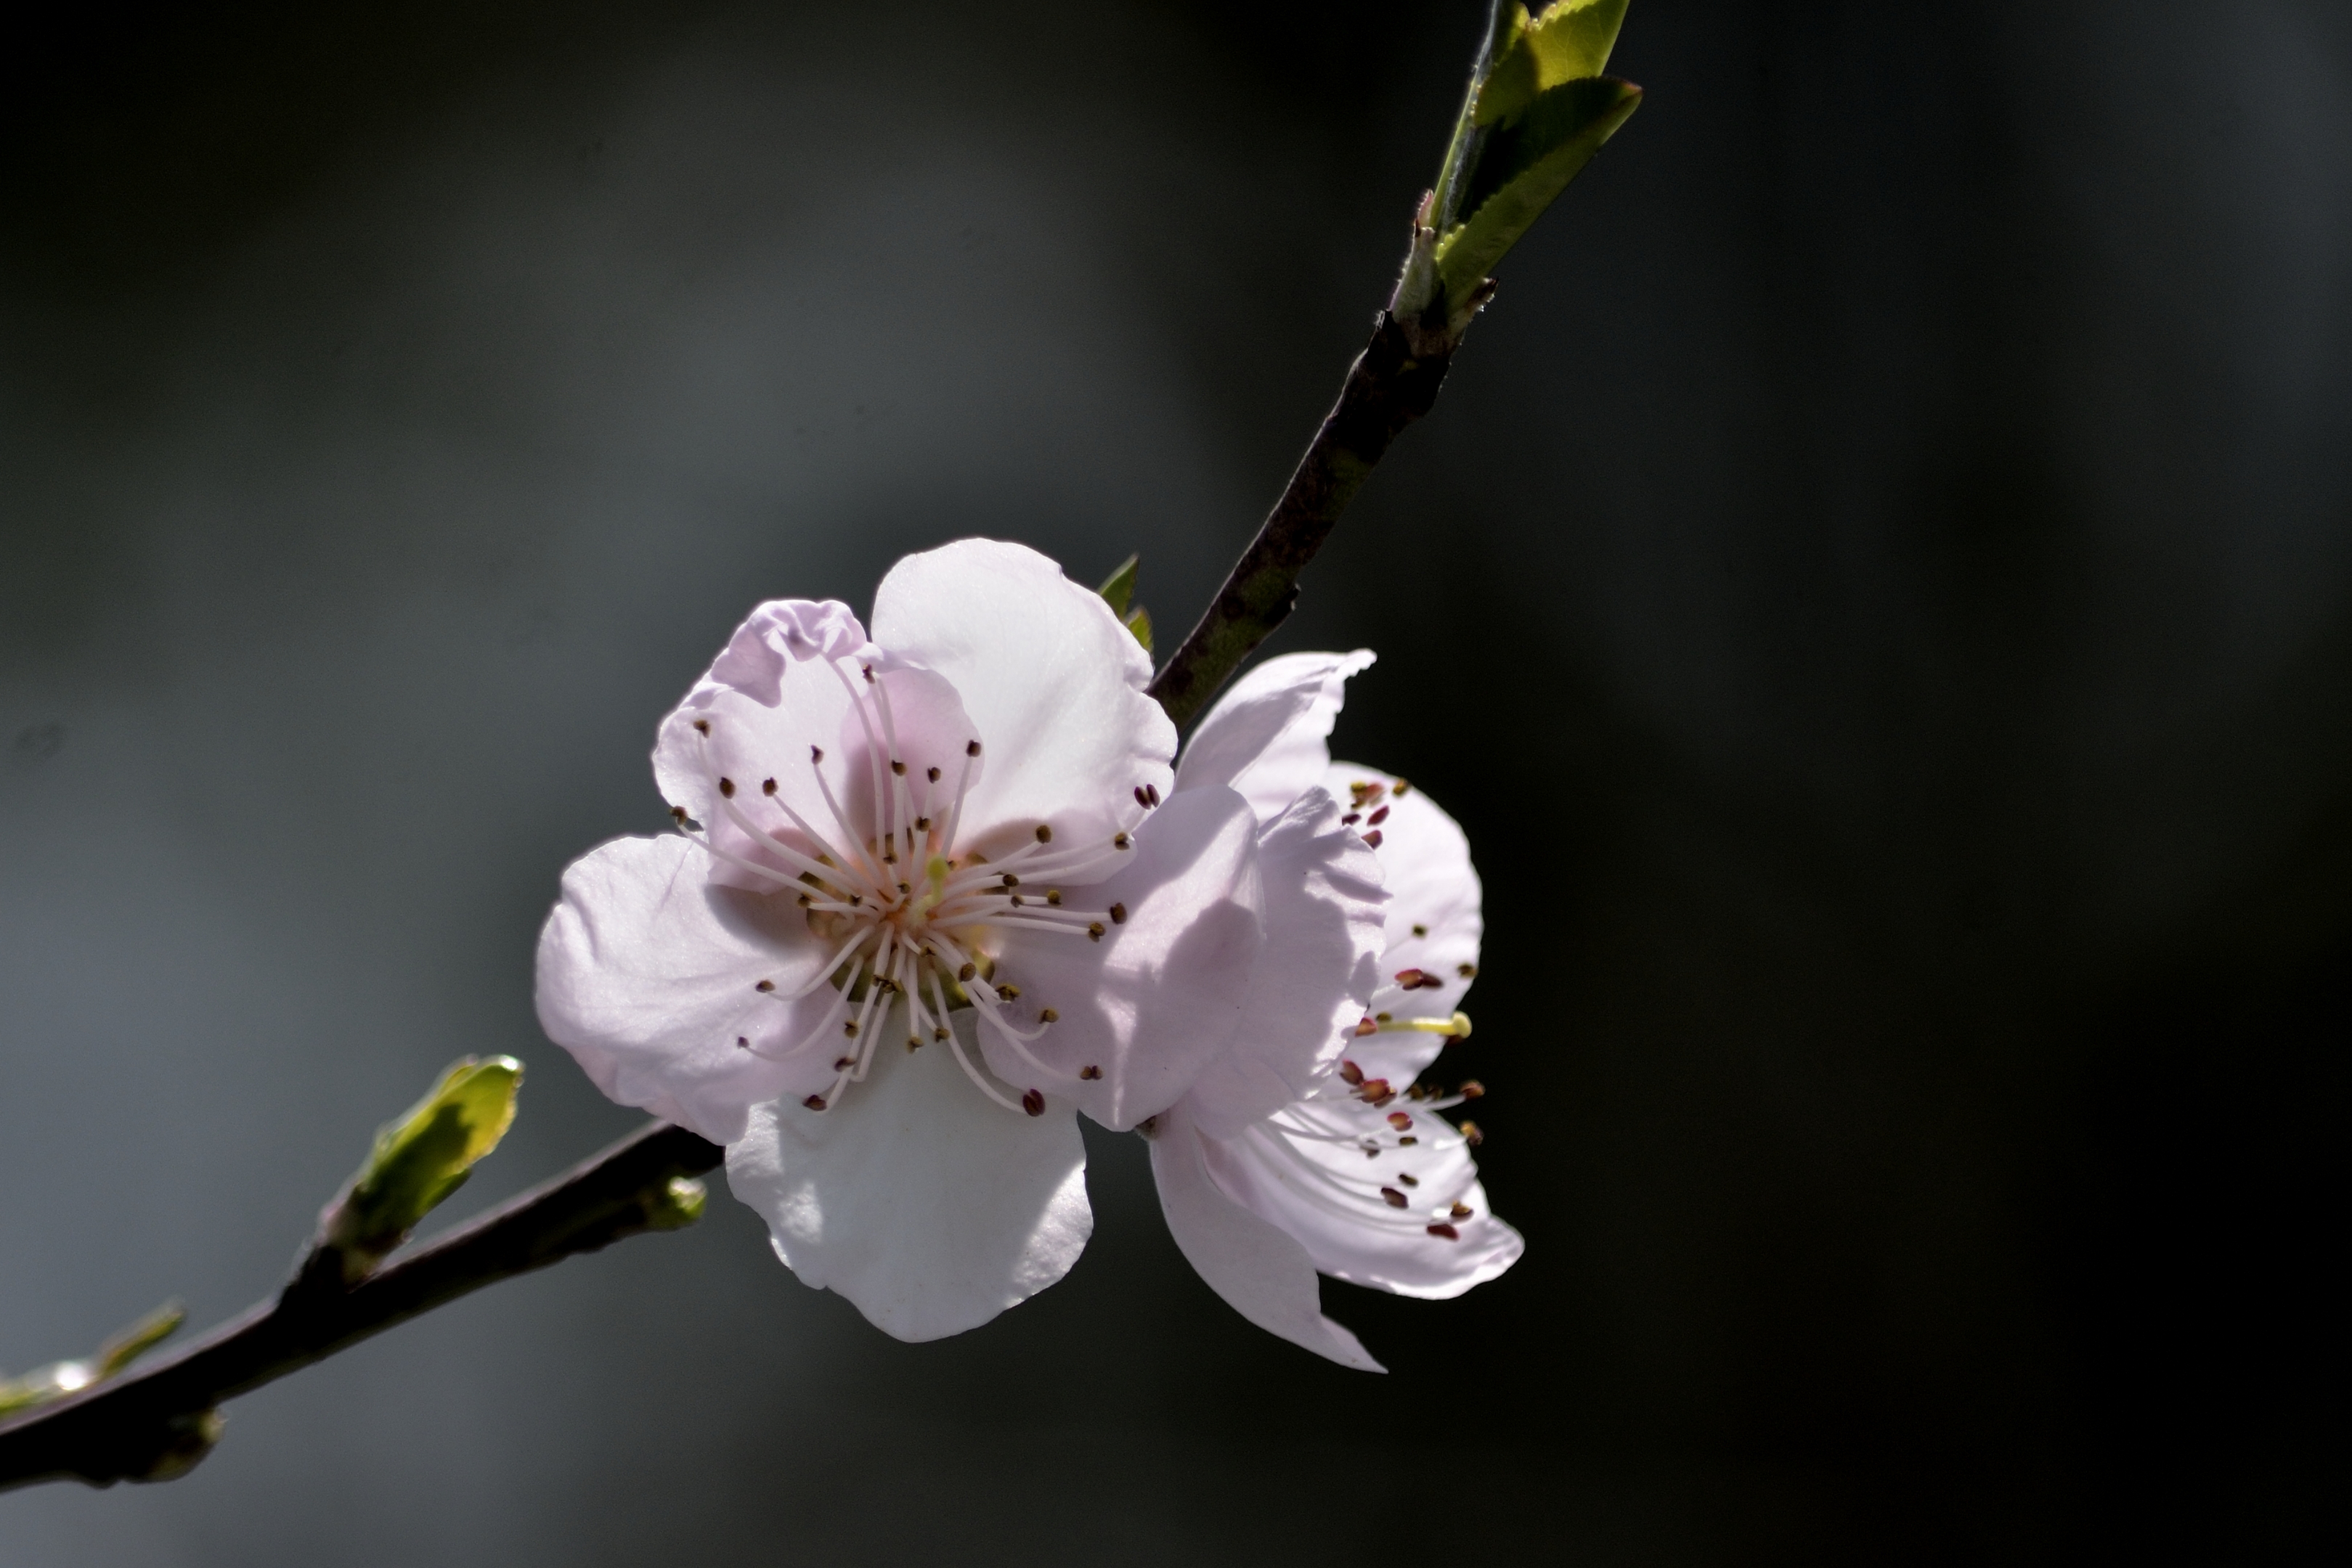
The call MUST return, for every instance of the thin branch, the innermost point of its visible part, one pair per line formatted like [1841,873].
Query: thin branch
[152,1422]
[1392,382]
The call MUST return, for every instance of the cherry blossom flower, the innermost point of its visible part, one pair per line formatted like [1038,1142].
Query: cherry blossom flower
[1276,1165]
[932,894]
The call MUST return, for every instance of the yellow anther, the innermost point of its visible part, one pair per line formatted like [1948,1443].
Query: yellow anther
[1457,1027]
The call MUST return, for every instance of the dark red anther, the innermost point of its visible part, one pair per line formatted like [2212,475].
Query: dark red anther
[816,754]
[1472,1089]
[742,1043]
[1141,799]
[677,815]
[1472,1135]
[1445,1230]
[702,726]
[1372,840]
[765,986]
[1375,1089]
[1352,818]
[1368,1026]
[1151,794]
[932,774]
[1461,1211]
[1090,1072]
[897,767]
[1400,1121]
[844,1063]
[726,788]
[972,748]
[1467,971]
[1410,978]
[1395,1198]
[815,1102]
[1408,1178]
[1350,1074]
[1377,818]
[1118,914]
[1034,1102]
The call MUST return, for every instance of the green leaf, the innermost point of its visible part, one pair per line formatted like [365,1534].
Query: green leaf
[1570,42]
[63,1377]
[1524,163]
[421,1159]
[1140,623]
[1120,587]
[140,1338]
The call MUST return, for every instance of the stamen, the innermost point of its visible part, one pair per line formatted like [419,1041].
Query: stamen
[1454,1028]
[956,1046]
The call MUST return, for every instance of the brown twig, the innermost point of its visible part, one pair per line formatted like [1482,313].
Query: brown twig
[154,1421]
[1392,382]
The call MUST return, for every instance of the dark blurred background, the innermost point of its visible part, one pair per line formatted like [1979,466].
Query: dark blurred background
[1877,589]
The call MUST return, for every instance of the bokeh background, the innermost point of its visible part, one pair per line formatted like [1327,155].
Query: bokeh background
[1877,589]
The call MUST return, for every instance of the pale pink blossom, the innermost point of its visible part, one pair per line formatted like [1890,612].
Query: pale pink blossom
[1277,1164]
[933,893]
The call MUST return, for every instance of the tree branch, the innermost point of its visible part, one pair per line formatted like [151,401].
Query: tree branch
[1392,382]
[155,1420]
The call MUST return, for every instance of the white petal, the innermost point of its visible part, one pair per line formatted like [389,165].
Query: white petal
[1260,1271]
[790,705]
[647,975]
[1327,1193]
[1268,735]
[781,632]
[928,1206]
[1425,866]
[1316,968]
[1051,679]
[1160,996]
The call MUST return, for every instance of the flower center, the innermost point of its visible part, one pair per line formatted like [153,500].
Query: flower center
[916,920]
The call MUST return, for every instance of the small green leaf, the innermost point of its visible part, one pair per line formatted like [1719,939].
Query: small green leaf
[1570,42]
[63,1377]
[1524,165]
[140,1338]
[421,1159]
[1140,623]
[1120,587]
